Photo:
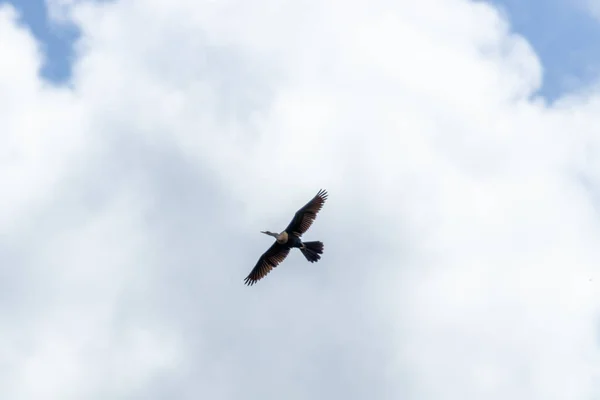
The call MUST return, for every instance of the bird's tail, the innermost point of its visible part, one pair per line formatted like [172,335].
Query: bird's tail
[312,251]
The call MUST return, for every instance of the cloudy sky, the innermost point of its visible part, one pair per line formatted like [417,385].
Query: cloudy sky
[144,144]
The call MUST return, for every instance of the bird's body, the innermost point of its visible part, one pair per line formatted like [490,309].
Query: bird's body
[291,238]
[285,239]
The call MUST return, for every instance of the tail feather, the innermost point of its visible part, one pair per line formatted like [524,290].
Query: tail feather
[312,251]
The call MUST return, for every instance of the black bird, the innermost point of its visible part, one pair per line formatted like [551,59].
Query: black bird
[290,238]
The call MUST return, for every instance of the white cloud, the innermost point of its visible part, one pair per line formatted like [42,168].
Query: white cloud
[460,241]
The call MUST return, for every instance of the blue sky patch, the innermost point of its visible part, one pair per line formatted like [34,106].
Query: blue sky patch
[56,39]
[565,37]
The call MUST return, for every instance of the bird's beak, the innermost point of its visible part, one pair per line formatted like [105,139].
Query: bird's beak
[263,232]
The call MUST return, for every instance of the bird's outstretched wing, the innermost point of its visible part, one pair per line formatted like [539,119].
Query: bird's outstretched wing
[305,216]
[269,260]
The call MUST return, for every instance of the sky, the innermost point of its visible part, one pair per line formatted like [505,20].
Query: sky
[145,144]
[563,34]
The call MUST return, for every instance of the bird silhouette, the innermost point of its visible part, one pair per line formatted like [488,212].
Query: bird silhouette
[290,238]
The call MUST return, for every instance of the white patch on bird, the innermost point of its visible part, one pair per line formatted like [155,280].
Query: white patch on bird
[282,237]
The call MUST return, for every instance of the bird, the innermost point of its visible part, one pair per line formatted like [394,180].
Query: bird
[291,238]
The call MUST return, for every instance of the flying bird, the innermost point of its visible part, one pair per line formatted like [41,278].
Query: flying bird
[290,238]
